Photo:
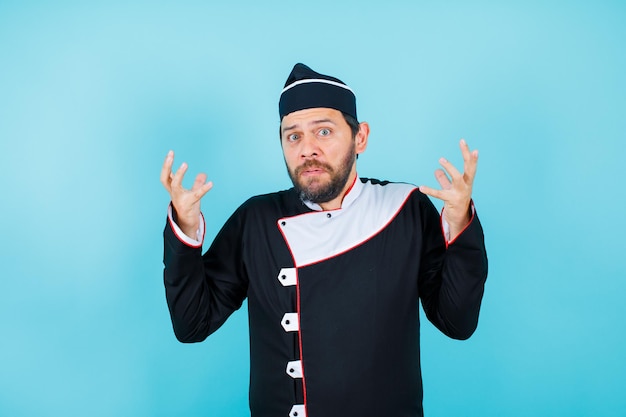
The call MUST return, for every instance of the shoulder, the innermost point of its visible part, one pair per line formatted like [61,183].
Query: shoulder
[385,185]
[279,203]
[387,189]
[397,194]
[260,212]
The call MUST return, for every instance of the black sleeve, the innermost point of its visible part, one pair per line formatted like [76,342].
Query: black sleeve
[202,291]
[452,278]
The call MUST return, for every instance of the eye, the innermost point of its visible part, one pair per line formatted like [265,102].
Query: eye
[293,137]
[324,132]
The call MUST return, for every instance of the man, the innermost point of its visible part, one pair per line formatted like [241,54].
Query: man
[333,268]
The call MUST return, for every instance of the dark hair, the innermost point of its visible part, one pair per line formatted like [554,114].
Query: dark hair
[352,122]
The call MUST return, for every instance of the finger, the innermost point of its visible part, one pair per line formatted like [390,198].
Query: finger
[465,150]
[177,179]
[443,179]
[202,190]
[470,167]
[450,169]
[201,186]
[166,170]
[199,181]
[432,192]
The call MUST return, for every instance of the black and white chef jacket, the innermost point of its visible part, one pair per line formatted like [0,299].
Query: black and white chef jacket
[332,296]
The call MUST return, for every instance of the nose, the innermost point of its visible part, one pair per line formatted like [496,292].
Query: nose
[309,146]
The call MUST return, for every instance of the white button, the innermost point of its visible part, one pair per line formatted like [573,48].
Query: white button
[294,369]
[290,322]
[287,276]
[297,411]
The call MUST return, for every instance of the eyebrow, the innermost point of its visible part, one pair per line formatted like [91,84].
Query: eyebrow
[314,122]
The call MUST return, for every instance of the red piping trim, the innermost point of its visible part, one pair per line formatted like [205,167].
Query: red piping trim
[298,312]
[350,188]
[461,232]
[181,239]
[300,340]
[400,207]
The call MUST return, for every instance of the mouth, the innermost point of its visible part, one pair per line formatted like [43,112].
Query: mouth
[310,170]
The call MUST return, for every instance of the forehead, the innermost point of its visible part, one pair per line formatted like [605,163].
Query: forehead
[308,116]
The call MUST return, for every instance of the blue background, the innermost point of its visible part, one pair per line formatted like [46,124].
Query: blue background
[93,95]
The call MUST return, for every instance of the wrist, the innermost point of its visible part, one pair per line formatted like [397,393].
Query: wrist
[457,217]
[189,224]
[457,220]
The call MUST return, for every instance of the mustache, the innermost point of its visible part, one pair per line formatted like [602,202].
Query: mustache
[313,164]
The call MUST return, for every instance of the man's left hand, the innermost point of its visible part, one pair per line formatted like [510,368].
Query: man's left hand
[456,190]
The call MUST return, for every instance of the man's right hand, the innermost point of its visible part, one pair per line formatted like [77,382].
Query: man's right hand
[186,203]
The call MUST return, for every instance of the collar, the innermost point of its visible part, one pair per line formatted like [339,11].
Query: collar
[351,195]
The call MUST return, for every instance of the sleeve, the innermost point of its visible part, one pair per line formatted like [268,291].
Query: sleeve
[202,291]
[452,275]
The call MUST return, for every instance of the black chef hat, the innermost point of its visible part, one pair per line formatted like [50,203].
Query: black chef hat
[306,89]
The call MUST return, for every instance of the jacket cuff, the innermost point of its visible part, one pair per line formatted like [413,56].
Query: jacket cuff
[445,227]
[194,243]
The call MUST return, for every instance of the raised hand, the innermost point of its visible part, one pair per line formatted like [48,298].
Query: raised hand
[456,190]
[186,202]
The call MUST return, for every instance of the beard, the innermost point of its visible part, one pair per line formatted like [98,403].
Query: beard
[317,190]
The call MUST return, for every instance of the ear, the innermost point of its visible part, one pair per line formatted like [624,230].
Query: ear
[361,137]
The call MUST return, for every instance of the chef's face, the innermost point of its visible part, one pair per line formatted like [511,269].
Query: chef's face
[320,152]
